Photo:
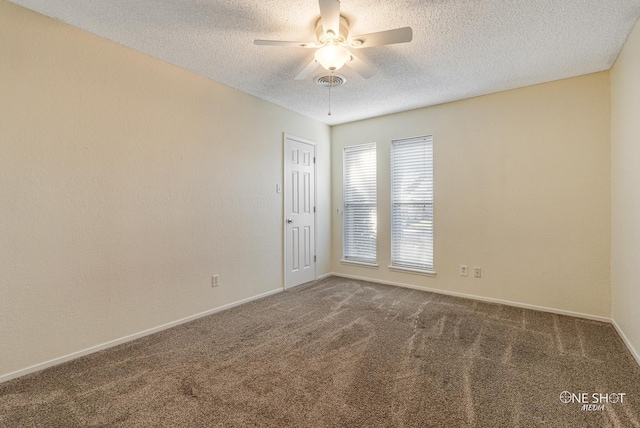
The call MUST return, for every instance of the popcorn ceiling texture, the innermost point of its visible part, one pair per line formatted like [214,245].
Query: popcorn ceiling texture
[343,353]
[461,49]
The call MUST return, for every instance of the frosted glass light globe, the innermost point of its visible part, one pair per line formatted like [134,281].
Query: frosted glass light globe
[332,56]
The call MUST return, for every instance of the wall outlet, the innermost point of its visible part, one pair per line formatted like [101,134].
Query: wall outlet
[477,272]
[464,270]
[215,280]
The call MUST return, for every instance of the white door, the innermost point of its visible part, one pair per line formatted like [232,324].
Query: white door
[299,211]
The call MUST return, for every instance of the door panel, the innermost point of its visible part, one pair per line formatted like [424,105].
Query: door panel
[295,192]
[306,193]
[299,211]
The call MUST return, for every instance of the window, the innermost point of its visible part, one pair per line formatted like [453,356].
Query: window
[412,203]
[360,211]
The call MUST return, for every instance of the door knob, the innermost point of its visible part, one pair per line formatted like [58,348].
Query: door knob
[289,221]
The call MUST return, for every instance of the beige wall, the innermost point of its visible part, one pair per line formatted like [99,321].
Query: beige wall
[522,189]
[125,183]
[625,194]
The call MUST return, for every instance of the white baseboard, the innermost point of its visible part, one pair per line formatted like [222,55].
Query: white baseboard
[326,275]
[481,298]
[112,343]
[626,341]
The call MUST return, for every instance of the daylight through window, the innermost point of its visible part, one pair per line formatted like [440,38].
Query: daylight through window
[360,211]
[412,203]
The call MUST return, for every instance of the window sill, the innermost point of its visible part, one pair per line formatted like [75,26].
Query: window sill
[413,271]
[361,264]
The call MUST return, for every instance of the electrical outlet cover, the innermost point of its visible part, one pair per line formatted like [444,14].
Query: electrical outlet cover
[464,271]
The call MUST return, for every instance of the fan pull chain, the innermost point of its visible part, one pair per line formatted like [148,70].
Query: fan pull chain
[330,85]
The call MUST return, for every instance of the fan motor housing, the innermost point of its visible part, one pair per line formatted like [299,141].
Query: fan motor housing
[343,31]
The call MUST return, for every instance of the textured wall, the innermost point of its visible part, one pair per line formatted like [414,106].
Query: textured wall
[522,188]
[625,193]
[125,183]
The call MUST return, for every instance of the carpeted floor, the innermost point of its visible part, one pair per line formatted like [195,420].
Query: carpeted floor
[344,353]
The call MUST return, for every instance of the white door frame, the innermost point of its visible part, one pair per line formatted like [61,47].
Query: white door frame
[285,137]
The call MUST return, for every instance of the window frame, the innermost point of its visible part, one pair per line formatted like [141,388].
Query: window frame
[402,262]
[349,244]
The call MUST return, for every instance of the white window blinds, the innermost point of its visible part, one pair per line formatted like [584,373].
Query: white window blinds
[360,212]
[412,203]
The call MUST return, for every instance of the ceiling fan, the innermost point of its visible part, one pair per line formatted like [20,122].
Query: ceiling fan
[334,41]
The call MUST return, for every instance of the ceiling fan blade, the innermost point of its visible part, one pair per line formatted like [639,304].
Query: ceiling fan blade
[361,67]
[286,43]
[389,37]
[307,70]
[330,15]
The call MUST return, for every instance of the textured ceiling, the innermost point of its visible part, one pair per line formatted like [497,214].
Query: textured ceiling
[460,48]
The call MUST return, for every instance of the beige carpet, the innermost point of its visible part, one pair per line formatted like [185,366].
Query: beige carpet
[343,353]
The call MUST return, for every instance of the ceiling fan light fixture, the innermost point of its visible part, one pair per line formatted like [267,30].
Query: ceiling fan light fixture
[332,56]
[334,42]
